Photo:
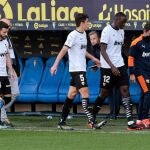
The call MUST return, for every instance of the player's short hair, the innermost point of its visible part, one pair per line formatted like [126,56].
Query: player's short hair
[120,14]
[94,32]
[80,17]
[3,25]
[147,26]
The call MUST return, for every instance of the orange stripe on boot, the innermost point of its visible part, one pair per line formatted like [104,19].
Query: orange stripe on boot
[143,83]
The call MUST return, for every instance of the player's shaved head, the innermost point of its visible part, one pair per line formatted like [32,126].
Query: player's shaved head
[119,20]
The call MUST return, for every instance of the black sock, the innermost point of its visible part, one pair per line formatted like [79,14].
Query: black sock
[127,105]
[7,100]
[86,110]
[140,108]
[146,105]
[66,109]
[97,105]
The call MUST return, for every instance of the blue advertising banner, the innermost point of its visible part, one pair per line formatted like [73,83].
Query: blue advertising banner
[59,14]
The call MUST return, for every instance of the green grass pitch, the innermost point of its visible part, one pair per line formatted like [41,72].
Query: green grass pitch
[39,133]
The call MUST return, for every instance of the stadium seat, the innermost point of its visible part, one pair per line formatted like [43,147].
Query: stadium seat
[64,86]
[135,92]
[49,86]
[93,80]
[30,80]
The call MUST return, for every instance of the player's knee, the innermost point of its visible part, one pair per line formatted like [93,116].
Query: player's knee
[84,94]
[104,93]
[72,94]
[125,92]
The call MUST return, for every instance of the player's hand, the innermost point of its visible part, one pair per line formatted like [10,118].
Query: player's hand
[132,78]
[53,70]
[115,71]
[94,69]
[97,62]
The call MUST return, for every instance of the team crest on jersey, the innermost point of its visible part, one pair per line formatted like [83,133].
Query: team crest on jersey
[83,83]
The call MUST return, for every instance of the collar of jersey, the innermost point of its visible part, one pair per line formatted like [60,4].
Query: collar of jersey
[79,31]
[115,28]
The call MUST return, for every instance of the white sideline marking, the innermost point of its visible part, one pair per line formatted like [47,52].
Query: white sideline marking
[29,129]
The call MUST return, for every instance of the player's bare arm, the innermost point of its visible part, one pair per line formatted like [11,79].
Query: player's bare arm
[106,57]
[11,71]
[63,51]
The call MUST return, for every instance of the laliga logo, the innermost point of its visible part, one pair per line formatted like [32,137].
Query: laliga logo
[143,24]
[6,9]
[36,25]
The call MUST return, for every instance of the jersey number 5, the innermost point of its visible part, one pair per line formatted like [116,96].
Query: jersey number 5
[81,77]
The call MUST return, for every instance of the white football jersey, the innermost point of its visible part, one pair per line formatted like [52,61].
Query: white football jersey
[10,48]
[77,43]
[3,52]
[114,40]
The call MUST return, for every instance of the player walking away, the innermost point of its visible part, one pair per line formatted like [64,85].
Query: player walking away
[114,104]
[14,59]
[113,70]
[76,45]
[139,69]
[5,89]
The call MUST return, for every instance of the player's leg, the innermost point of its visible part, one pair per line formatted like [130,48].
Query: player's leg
[145,86]
[105,86]
[140,111]
[6,91]
[146,108]
[14,91]
[84,91]
[85,104]
[123,83]
[68,104]
[81,84]
[99,101]
[2,91]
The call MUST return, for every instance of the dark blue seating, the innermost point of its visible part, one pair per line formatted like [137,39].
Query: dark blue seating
[135,92]
[21,67]
[30,80]
[49,86]
[64,86]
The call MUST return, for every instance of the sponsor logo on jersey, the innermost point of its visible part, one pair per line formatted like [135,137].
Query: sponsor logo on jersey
[83,46]
[146,54]
[3,54]
[118,43]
